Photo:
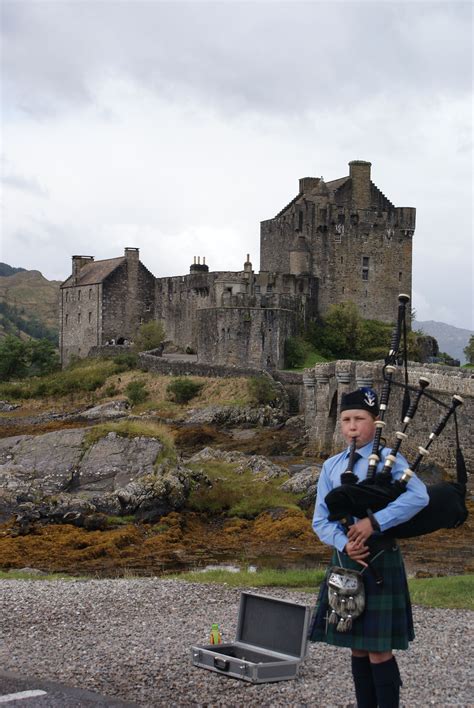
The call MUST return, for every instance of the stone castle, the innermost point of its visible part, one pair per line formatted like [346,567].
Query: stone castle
[335,241]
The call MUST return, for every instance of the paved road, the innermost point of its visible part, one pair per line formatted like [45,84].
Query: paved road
[16,690]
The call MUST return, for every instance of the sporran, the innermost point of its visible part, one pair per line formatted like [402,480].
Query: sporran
[346,597]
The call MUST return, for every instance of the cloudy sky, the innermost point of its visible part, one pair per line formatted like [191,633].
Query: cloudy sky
[177,127]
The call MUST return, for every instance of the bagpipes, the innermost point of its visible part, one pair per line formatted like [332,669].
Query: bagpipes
[447,500]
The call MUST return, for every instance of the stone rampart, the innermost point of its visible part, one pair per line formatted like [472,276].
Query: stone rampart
[159,365]
[325,384]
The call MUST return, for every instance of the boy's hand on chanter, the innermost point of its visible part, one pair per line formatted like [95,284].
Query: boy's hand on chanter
[360,532]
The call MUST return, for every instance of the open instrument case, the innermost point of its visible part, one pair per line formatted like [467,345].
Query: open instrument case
[270,643]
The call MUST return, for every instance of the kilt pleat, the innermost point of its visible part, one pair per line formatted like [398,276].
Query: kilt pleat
[386,622]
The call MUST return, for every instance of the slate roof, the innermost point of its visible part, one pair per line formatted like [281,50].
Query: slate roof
[95,272]
[336,183]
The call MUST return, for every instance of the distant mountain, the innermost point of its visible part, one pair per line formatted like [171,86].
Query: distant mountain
[451,340]
[5,269]
[28,304]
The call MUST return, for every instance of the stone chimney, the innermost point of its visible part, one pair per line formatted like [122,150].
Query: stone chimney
[132,254]
[308,183]
[199,267]
[359,172]
[79,262]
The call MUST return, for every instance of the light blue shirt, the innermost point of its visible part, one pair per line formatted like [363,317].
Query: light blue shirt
[397,512]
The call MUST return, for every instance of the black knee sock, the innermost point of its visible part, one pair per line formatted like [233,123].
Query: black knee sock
[363,682]
[387,683]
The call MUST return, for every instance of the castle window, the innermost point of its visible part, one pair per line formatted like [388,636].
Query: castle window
[67,296]
[257,289]
[343,289]
[90,316]
[147,307]
[300,221]
[323,214]
[341,218]
[342,259]
[90,293]
[399,276]
[365,267]
[78,317]
[67,317]
[269,288]
[78,294]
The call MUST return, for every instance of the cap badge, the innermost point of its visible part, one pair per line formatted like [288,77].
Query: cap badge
[369,398]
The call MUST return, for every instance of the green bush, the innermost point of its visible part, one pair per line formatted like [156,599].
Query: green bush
[296,350]
[136,392]
[469,350]
[182,390]
[149,336]
[262,390]
[125,362]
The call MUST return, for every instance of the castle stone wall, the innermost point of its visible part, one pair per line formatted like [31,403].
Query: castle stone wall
[159,365]
[232,335]
[80,320]
[128,301]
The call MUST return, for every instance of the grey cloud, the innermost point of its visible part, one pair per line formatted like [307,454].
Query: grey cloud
[279,57]
[24,184]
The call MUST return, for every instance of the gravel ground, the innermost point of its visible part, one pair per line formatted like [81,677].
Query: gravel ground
[131,639]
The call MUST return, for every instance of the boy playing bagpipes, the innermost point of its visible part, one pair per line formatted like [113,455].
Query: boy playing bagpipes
[364,604]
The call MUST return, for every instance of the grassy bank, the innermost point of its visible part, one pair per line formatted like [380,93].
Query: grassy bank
[453,591]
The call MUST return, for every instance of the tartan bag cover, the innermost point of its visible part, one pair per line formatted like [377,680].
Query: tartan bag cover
[386,622]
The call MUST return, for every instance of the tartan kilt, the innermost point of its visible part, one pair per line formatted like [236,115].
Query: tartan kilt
[386,622]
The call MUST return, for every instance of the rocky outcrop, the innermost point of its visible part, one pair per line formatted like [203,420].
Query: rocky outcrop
[59,476]
[105,411]
[235,416]
[6,407]
[254,463]
[77,476]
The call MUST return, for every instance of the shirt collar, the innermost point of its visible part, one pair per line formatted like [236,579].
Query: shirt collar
[364,451]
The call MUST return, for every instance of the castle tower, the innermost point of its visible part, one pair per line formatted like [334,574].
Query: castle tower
[300,257]
[359,244]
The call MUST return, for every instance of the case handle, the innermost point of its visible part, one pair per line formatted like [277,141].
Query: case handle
[221,664]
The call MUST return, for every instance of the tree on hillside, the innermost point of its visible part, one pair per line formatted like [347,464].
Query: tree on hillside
[149,336]
[469,350]
[31,358]
[43,357]
[13,358]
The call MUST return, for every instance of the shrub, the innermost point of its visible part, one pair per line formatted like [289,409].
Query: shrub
[126,361]
[296,350]
[136,392]
[469,350]
[149,336]
[182,390]
[262,390]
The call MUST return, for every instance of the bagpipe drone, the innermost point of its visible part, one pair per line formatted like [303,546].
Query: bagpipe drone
[447,500]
